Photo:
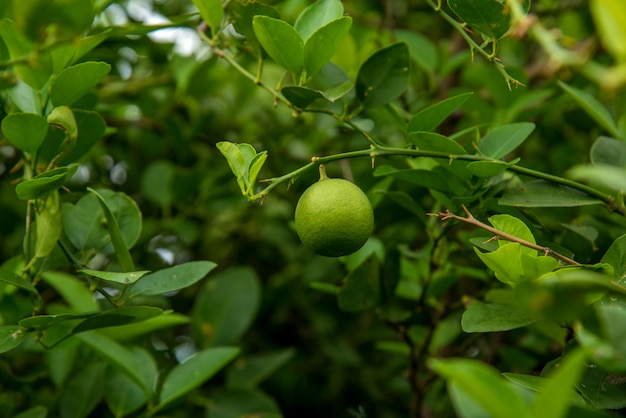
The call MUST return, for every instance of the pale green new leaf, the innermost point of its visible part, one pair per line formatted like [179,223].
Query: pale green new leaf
[610,18]
[64,117]
[48,224]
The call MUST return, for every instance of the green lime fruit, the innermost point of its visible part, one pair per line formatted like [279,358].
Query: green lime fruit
[334,217]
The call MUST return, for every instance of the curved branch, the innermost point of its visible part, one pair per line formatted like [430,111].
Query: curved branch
[377,150]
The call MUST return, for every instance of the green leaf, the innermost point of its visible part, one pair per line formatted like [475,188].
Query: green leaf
[10,337]
[243,403]
[431,141]
[514,226]
[407,202]
[117,239]
[119,356]
[505,138]
[91,320]
[534,267]
[91,128]
[612,320]
[320,47]
[505,262]
[86,225]
[170,279]
[423,50]
[37,70]
[555,397]
[194,372]
[609,17]
[464,405]
[493,317]
[48,224]
[328,288]
[25,130]
[43,322]
[317,15]
[83,391]
[609,151]
[45,182]
[241,16]
[226,306]
[74,291]
[239,157]
[302,97]
[88,43]
[540,193]
[115,317]
[245,164]
[249,372]
[25,98]
[420,177]
[76,81]
[600,175]
[361,289]
[538,383]
[603,389]
[157,182]
[123,278]
[429,118]
[281,42]
[17,281]
[64,117]
[488,16]
[212,13]
[132,331]
[384,76]
[253,170]
[35,412]
[123,395]
[483,384]
[486,169]
[337,91]
[616,257]
[594,108]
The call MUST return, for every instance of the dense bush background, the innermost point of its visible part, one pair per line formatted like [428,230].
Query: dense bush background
[169,99]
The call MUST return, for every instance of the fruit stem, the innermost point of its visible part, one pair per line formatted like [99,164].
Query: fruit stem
[323,175]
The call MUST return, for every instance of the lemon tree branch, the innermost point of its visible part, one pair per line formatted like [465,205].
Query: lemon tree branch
[470,219]
[490,56]
[377,150]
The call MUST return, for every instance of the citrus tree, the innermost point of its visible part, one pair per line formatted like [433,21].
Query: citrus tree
[312,208]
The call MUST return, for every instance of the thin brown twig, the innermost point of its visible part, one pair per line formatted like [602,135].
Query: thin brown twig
[470,219]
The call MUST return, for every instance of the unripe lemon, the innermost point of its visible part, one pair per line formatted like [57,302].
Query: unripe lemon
[334,217]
